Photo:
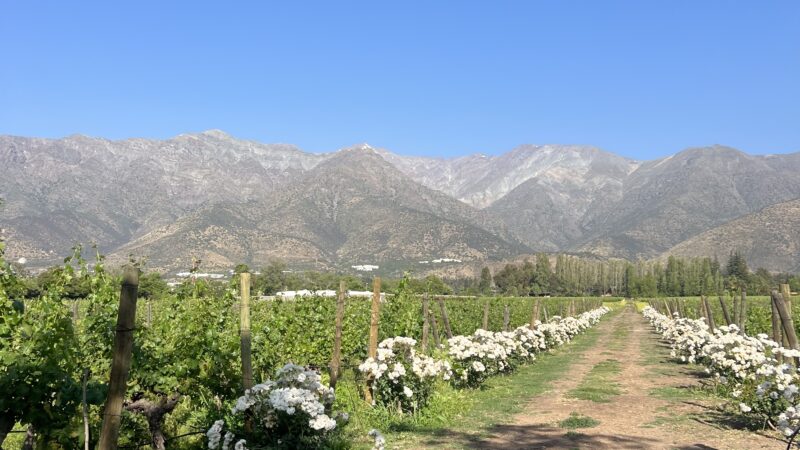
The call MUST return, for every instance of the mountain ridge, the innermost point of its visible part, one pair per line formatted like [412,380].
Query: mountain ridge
[124,194]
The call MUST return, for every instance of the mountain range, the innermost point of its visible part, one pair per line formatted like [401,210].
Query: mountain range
[225,200]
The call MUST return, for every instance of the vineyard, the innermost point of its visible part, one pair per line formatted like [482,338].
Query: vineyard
[221,369]
[756,317]
[186,376]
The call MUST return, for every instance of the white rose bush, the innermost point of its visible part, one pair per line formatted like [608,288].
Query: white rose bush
[747,369]
[468,360]
[400,376]
[485,353]
[292,411]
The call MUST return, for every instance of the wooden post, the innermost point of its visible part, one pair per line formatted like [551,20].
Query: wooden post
[372,350]
[84,382]
[786,319]
[709,313]
[776,322]
[121,362]
[486,315]
[425,323]
[534,313]
[149,313]
[75,311]
[743,313]
[787,300]
[374,317]
[506,318]
[445,319]
[336,359]
[434,329]
[669,310]
[736,309]
[244,330]
[546,316]
[725,312]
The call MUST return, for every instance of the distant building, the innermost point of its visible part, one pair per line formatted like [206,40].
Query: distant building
[288,295]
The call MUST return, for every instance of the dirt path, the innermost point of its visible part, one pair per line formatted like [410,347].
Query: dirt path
[640,398]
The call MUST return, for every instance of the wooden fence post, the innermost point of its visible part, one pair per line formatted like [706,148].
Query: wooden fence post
[374,318]
[709,313]
[486,315]
[434,329]
[534,313]
[425,323]
[776,322]
[725,312]
[336,359]
[669,310]
[445,319]
[244,330]
[85,409]
[375,311]
[743,312]
[506,318]
[787,300]
[121,362]
[786,320]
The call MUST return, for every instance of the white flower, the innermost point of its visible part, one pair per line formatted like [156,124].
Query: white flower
[214,434]
[229,437]
[408,392]
[745,408]
[322,422]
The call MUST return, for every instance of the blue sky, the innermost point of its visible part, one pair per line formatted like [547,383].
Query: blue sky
[639,78]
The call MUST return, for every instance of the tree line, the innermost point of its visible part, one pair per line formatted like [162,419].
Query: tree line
[568,275]
[554,275]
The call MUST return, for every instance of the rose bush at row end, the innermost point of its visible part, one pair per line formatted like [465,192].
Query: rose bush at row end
[747,369]
[292,411]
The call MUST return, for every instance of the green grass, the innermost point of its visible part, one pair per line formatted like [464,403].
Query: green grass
[668,420]
[598,385]
[576,420]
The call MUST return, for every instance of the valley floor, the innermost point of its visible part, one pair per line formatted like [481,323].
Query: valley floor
[613,388]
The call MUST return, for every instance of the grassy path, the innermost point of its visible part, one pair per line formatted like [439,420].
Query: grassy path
[612,388]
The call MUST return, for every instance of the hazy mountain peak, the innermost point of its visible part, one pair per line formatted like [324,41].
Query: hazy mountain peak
[217,134]
[199,190]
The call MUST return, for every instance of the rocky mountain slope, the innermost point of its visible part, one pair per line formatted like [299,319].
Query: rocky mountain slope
[227,200]
[769,238]
[83,190]
[353,208]
[667,201]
